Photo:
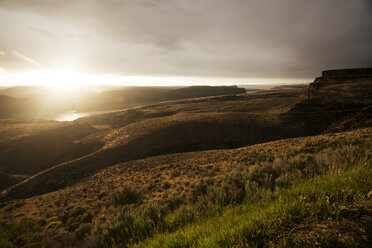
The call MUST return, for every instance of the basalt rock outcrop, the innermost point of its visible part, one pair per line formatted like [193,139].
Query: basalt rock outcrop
[338,100]
[345,75]
[340,76]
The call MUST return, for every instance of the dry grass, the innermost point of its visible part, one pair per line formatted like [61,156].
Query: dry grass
[180,171]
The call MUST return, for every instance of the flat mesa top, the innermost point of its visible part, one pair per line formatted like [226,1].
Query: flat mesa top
[346,74]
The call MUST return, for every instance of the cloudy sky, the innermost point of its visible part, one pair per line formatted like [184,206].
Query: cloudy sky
[239,40]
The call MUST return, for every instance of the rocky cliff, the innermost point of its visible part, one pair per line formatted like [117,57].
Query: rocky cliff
[340,76]
[345,75]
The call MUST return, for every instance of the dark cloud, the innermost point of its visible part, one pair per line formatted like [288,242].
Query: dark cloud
[235,38]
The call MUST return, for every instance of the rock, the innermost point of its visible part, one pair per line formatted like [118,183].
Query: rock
[345,75]
[339,76]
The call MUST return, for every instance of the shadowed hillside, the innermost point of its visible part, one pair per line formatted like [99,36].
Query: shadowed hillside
[46,148]
[9,179]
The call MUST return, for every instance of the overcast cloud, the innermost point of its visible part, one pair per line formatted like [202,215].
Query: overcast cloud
[212,38]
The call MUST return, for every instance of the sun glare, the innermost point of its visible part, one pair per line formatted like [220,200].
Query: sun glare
[60,78]
[61,86]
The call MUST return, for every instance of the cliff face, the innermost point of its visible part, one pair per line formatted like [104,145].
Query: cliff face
[345,75]
[338,100]
[339,76]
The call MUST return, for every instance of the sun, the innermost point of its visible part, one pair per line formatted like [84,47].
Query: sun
[61,86]
[63,78]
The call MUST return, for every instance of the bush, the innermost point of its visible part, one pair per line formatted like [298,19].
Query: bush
[127,196]
[198,189]
[120,231]
[82,231]
[166,185]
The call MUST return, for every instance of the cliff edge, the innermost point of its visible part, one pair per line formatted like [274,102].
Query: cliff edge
[340,76]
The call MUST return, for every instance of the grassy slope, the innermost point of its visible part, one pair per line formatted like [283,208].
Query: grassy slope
[319,212]
[90,204]
[181,170]
[330,209]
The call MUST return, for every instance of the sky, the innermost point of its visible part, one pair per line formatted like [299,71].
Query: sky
[181,41]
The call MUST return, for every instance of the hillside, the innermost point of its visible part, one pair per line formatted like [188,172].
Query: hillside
[9,179]
[84,213]
[46,148]
[132,96]
[10,105]
[211,125]
[168,118]
[208,123]
[236,169]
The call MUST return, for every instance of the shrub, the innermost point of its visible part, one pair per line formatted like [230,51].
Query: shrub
[87,217]
[66,239]
[82,231]
[198,189]
[336,160]
[166,185]
[25,233]
[301,161]
[127,196]
[102,195]
[173,203]
[120,230]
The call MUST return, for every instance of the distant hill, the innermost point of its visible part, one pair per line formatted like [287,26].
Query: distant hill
[29,101]
[10,106]
[22,91]
[132,96]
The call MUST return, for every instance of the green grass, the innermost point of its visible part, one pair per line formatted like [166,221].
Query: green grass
[280,203]
[272,223]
